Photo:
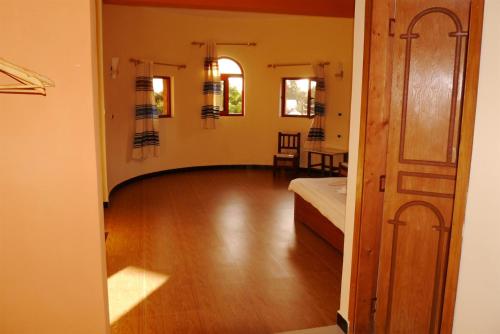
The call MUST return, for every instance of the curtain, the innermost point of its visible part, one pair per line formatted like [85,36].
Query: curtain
[316,135]
[212,91]
[146,137]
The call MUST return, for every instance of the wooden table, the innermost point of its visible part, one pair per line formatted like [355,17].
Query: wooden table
[324,153]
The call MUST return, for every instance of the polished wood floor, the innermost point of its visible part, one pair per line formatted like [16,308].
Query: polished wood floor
[216,252]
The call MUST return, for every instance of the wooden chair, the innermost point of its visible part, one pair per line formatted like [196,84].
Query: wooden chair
[288,151]
[343,169]
[344,165]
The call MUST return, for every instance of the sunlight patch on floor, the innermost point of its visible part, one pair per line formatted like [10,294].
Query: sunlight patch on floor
[129,287]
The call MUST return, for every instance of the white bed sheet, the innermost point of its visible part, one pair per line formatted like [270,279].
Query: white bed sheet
[328,195]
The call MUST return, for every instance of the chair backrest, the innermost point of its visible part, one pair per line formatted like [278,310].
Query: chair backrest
[289,142]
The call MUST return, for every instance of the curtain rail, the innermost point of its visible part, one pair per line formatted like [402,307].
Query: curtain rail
[200,44]
[296,64]
[139,61]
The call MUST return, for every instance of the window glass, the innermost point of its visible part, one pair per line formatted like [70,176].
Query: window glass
[232,87]
[235,95]
[162,94]
[229,66]
[298,97]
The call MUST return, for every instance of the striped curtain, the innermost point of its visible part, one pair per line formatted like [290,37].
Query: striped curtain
[212,91]
[146,137]
[316,135]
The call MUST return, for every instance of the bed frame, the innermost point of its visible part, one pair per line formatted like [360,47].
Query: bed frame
[308,215]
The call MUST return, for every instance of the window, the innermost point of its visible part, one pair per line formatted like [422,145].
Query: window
[297,97]
[232,88]
[163,96]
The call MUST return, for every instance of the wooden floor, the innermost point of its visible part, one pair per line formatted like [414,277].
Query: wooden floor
[216,252]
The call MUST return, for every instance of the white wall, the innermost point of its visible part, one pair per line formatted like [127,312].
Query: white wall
[357,78]
[478,301]
[166,34]
[52,265]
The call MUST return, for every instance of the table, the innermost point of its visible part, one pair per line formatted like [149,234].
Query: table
[324,153]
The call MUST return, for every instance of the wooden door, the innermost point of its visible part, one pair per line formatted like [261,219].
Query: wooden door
[429,55]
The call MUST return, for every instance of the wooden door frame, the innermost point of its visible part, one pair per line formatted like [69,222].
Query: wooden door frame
[377,72]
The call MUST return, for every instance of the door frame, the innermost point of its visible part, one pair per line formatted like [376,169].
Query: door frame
[375,100]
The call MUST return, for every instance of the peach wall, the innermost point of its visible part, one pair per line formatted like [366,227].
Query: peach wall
[166,34]
[344,8]
[477,307]
[51,228]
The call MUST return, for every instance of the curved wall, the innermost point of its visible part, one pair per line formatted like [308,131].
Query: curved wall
[166,34]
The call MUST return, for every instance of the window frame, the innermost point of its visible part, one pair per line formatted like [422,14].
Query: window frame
[167,92]
[225,99]
[225,78]
[310,107]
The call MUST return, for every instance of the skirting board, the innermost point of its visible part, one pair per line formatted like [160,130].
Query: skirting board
[183,170]
[342,323]
[188,169]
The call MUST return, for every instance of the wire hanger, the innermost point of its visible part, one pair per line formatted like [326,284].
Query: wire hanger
[29,82]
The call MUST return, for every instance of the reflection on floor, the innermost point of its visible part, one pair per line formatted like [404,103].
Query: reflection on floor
[216,252]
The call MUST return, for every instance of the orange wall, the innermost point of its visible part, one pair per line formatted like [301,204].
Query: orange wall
[337,8]
[52,262]
[166,34]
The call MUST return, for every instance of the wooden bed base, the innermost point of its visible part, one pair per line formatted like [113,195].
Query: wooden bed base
[308,215]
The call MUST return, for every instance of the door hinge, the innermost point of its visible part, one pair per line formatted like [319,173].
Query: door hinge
[381,185]
[373,306]
[392,21]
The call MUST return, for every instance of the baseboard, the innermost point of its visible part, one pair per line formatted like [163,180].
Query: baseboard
[342,323]
[184,170]
[191,169]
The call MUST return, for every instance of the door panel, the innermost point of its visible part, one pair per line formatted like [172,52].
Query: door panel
[430,74]
[430,39]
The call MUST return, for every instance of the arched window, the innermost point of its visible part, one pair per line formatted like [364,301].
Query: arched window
[232,87]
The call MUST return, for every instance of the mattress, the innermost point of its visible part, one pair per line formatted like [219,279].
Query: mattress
[327,195]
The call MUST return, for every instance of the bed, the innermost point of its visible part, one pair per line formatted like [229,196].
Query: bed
[320,205]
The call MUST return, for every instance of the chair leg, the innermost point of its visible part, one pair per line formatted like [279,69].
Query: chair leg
[275,165]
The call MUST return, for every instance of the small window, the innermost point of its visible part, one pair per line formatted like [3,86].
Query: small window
[163,96]
[297,97]
[232,88]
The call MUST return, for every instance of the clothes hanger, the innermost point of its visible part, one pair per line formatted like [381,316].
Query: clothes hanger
[29,82]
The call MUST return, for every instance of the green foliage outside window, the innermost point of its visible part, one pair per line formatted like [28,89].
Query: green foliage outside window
[235,100]
[159,102]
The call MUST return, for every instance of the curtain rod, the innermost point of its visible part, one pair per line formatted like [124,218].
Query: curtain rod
[139,61]
[200,44]
[297,64]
